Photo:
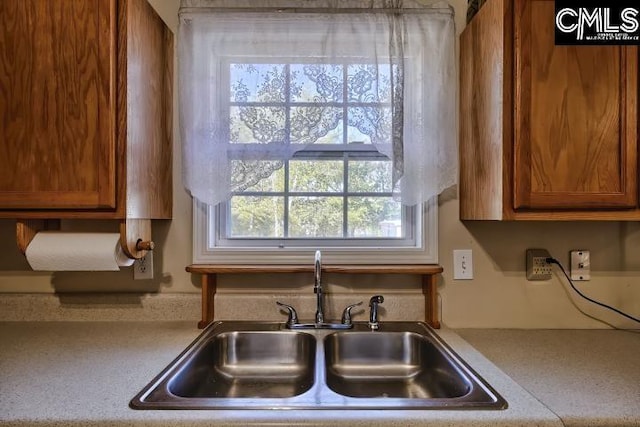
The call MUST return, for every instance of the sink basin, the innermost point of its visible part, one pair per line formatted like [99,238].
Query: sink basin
[262,365]
[391,364]
[249,364]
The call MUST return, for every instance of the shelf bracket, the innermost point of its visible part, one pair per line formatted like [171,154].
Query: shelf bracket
[209,288]
[430,292]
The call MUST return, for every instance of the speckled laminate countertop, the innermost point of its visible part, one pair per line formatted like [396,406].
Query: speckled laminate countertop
[85,373]
[586,377]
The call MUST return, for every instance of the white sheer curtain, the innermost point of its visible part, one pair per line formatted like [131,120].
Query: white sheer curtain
[259,81]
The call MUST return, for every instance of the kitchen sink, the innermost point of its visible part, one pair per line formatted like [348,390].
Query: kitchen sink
[263,365]
[248,364]
[391,364]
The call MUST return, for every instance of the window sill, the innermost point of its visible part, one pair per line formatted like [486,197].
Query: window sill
[209,273]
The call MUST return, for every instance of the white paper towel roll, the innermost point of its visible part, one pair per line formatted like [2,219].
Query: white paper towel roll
[60,251]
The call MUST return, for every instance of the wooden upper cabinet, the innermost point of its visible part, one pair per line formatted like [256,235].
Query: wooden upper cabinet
[547,132]
[56,97]
[575,123]
[83,133]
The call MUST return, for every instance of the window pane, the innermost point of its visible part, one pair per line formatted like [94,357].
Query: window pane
[316,83]
[257,216]
[253,175]
[320,125]
[257,82]
[369,83]
[354,136]
[257,125]
[370,176]
[318,176]
[374,217]
[375,122]
[315,217]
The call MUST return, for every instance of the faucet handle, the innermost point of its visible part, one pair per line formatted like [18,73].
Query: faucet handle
[346,314]
[293,315]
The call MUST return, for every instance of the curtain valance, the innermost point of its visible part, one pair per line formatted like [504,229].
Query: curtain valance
[259,81]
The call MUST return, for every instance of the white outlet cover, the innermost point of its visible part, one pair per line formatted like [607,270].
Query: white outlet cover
[462,264]
[580,265]
[143,267]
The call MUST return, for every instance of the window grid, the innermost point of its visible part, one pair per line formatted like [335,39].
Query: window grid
[327,151]
[345,194]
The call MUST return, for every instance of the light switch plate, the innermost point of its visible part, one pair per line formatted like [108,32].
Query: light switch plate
[462,264]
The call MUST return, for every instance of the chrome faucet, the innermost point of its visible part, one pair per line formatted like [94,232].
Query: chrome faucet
[373,315]
[320,323]
[317,288]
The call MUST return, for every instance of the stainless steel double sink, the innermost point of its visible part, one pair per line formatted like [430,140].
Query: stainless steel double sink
[255,365]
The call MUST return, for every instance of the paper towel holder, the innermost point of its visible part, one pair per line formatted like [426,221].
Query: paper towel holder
[135,234]
[26,230]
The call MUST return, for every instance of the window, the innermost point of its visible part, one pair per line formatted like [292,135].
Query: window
[297,122]
[339,187]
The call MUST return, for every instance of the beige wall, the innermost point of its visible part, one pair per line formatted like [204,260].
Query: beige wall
[499,295]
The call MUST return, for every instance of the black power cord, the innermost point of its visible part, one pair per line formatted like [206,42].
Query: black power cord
[550,260]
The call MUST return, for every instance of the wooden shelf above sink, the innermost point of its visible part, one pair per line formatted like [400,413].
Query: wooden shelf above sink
[429,273]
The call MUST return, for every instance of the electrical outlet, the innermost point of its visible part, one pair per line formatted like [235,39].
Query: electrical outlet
[580,265]
[143,267]
[537,266]
[462,264]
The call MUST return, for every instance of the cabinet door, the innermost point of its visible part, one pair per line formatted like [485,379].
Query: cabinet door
[575,123]
[57,104]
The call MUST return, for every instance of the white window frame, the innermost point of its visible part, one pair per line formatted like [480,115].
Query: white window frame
[206,252]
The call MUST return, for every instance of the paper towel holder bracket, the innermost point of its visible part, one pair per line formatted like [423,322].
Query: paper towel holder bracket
[26,230]
[135,237]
